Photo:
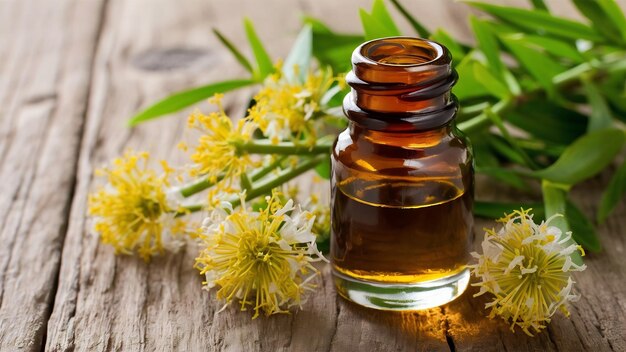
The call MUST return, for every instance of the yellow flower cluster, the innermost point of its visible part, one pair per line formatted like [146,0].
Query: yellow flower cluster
[262,259]
[527,268]
[287,110]
[215,155]
[133,212]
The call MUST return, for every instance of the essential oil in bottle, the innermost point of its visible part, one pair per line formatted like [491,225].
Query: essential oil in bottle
[402,180]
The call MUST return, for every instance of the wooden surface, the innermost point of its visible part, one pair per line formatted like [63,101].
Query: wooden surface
[72,72]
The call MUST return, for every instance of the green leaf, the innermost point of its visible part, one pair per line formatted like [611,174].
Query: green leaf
[183,99]
[497,210]
[612,194]
[456,49]
[418,27]
[555,202]
[539,5]
[503,175]
[600,117]
[500,145]
[263,60]
[585,157]
[297,63]
[373,28]
[378,23]
[379,12]
[540,66]
[555,47]
[615,14]
[538,148]
[323,246]
[600,20]
[317,26]
[512,83]
[497,121]
[583,231]
[488,44]
[469,85]
[323,169]
[236,53]
[332,49]
[613,90]
[540,22]
[606,17]
[490,82]
[548,121]
[482,152]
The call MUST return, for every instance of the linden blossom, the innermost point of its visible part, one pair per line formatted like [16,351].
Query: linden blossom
[133,213]
[215,154]
[263,259]
[289,110]
[527,267]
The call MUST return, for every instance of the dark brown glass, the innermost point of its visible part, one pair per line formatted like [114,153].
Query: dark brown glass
[402,173]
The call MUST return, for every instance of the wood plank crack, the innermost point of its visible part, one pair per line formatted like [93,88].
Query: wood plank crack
[446,329]
[333,335]
[68,206]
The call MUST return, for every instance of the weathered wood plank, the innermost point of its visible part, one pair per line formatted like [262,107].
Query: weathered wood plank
[46,52]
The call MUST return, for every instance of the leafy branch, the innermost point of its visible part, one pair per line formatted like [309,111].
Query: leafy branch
[542,97]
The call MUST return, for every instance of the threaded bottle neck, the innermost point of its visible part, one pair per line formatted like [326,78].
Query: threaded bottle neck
[401,83]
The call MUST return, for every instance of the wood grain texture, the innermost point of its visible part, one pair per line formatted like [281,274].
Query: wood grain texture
[45,68]
[72,72]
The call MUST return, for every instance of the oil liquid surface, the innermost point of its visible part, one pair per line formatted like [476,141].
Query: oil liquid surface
[377,238]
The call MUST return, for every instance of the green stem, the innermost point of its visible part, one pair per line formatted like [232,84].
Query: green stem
[204,183]
[191,208]
[266,186]
[482,121]
[197,186]
[266,170]
[265,146]
[473,109]
[421,30]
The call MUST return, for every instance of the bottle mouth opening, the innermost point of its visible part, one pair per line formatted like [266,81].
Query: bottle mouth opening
[402,51]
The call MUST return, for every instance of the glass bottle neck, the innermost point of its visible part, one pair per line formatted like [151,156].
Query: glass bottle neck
[401,84]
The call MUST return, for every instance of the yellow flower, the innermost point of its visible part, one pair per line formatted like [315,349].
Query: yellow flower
[527,268]
[263,259]
[215,155]
[133,212]
[287,110]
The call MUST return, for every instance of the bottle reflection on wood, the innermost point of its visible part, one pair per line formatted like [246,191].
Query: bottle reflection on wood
[402,182]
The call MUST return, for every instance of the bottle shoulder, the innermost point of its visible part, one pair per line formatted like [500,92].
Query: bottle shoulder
[404,155]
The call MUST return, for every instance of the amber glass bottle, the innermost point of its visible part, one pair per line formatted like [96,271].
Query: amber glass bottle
[402,180]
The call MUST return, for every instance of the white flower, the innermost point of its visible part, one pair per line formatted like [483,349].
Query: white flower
[527,268]
[263,259]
